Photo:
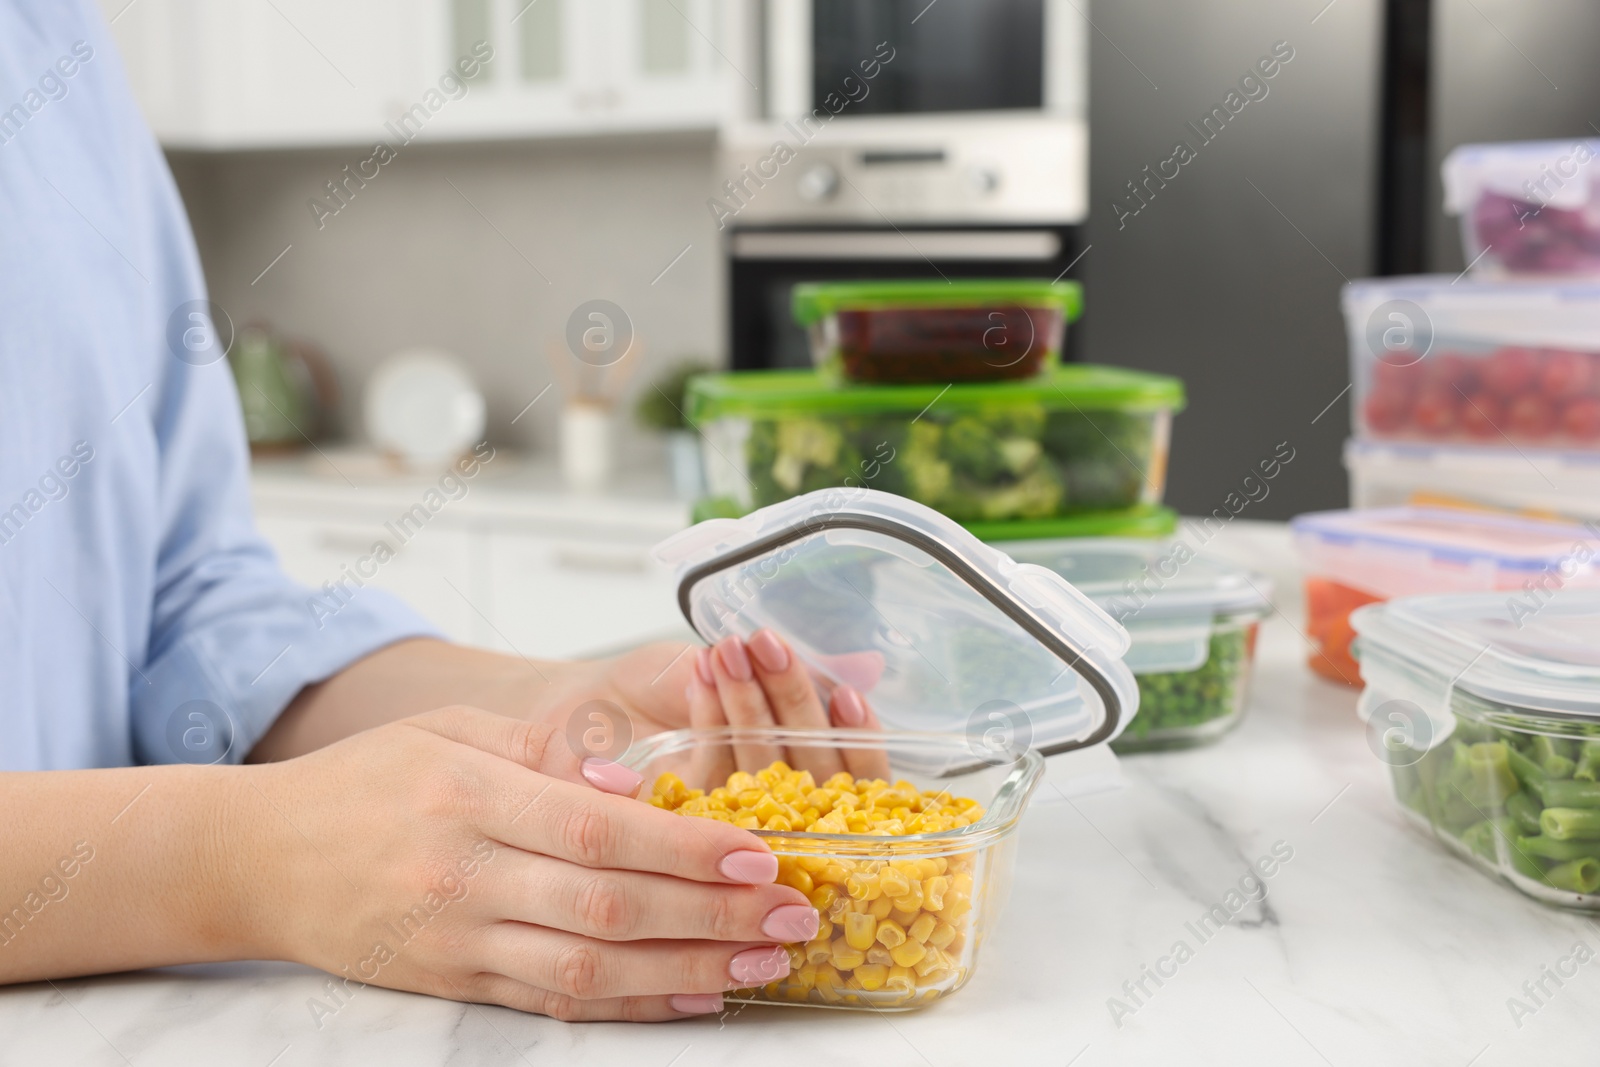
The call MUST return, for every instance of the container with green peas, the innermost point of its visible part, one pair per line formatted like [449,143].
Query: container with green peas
[1193,623]
[1486,708]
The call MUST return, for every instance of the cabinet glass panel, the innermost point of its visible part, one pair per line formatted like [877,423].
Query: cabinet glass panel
[663,37]
[539,26]
[469,24]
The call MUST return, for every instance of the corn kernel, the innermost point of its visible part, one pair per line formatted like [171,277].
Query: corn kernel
[859,931]
[894,882]
[891,934]
[909,953]
[871,976]
[890,930]
[846,958]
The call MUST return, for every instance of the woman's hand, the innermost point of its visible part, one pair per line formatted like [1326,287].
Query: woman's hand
[464,854]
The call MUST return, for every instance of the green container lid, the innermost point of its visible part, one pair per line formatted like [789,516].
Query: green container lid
[781,394]
[1146,520]
[813,301]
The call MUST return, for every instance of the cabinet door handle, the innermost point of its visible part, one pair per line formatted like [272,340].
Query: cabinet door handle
[335,541]
[576,559]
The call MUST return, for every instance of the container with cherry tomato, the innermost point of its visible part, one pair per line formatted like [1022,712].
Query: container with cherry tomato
[1500,363]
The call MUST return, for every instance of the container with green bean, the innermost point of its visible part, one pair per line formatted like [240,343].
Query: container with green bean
[1486,708]
[1192,620]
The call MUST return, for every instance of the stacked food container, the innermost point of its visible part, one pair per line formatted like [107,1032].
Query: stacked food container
[1483,389]
[953,394]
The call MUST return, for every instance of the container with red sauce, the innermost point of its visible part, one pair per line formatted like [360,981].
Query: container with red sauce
[938,331]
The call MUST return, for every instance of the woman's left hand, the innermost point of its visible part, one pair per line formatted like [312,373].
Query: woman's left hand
[759,682]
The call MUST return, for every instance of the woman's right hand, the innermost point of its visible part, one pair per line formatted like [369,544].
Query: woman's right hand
[475,857]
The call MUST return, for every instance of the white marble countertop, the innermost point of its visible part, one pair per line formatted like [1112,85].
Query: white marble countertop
[1371,947]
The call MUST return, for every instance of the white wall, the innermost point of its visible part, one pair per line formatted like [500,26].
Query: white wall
[409,262]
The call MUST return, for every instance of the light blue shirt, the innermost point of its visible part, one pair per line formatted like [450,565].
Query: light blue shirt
[142,617]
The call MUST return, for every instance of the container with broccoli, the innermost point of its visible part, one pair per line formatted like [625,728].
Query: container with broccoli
[1193,622]
[1077,439]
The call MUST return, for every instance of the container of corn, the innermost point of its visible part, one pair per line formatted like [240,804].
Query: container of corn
[977,666]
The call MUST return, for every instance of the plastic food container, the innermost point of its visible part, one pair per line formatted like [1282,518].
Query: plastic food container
[1490,722]
[1384,474]
[969,658]
[938,331]
[1353,558]
[975,861]
[1528,207]
[1081,438]
[1512,363]
[1192,622]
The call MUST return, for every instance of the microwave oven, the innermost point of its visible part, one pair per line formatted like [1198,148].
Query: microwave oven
[912,111]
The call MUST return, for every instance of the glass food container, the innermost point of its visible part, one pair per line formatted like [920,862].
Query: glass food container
[1388,474]
[1353,558]
[1489,719]
[1081,438]
[960,878]
[976,665]
[1438,360]
[1192,622]
[1528,207]
[936,332]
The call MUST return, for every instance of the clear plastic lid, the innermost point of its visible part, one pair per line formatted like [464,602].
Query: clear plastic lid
[940,631]
[1557,173]
[1555,313]
[1451,536]
[1538,655]
[1168,598]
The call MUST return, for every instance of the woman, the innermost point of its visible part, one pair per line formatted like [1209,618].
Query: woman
[410,813]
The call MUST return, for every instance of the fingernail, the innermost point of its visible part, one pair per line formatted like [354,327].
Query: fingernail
[696,1003]
[734,661]
[702,666]
[749,867]
[847,707]
[769,652]
[758,966]
[791,922]
[610,777]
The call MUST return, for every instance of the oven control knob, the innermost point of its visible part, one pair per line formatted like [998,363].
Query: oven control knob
[817,183]
[983,180]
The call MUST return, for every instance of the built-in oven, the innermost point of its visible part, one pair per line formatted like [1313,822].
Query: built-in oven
[766,263]
[900,138]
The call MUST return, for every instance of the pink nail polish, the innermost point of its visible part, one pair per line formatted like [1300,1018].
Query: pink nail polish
[696,1003]
[734,661]
[758,966]
[609,777]
[769,652]
[750,867]
[791,922]
[848,708]
[702,666]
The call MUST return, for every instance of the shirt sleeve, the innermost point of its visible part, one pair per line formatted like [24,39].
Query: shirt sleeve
[232,638]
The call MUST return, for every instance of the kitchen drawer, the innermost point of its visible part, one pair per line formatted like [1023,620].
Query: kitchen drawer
[558,597]
[422,570]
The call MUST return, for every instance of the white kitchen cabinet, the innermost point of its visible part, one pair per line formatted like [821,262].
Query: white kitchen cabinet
[433,572]
[566,596]
[516,564]
[227,74]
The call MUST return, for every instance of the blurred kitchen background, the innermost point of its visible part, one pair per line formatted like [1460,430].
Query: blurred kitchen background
[1009,138]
